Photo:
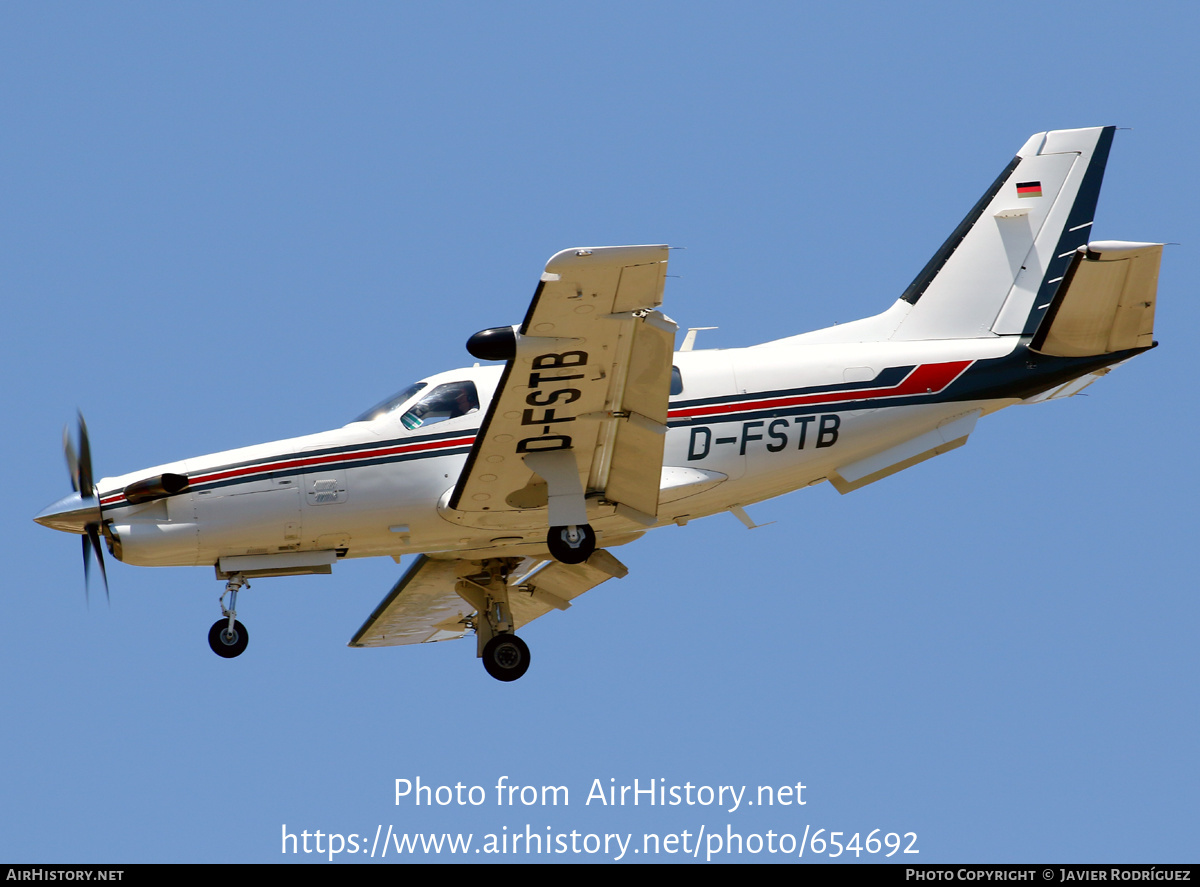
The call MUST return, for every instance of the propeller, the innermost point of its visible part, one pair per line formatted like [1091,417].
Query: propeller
[79,465]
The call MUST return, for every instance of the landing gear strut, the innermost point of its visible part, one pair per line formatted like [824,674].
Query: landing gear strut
[570,540]
[505,656]
[228,637]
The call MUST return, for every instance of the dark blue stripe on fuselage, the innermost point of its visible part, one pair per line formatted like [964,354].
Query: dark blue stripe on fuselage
[356,454]
[331,466]
[886,378]
[1015,376]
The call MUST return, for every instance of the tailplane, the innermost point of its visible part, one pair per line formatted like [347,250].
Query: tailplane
[1105,303]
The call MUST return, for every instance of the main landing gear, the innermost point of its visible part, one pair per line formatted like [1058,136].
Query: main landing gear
[228,637]
[505,656]
[571,545]
[570,540]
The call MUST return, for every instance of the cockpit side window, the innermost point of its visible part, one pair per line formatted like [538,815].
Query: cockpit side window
[676,381]
[447,401]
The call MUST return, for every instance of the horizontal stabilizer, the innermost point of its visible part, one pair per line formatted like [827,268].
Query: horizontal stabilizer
[1105,303]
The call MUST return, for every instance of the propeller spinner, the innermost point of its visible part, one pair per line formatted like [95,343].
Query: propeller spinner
[80,511]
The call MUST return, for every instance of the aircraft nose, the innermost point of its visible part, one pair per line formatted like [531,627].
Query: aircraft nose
[70,514]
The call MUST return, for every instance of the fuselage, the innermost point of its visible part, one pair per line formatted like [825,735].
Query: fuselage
[745,425]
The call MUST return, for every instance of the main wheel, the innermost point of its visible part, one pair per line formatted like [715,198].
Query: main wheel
[225,644]
[506,657]
[563,550]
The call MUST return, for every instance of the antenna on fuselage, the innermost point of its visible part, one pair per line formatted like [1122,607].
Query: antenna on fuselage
[689,341]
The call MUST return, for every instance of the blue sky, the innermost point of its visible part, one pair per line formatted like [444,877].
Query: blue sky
[224,224]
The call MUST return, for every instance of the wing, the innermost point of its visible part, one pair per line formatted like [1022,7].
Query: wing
[589,373]
[421,608]
[425,605]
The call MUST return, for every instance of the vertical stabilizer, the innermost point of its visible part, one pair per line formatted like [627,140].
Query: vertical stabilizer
[998,271]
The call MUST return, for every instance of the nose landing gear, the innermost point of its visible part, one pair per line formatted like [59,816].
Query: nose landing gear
[225,642]
[228,637]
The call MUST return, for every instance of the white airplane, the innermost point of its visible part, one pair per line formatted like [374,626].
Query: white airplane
[514,482]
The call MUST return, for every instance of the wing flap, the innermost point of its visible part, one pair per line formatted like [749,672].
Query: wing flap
[551,585]
[648,376]
[635,469]
[628,464]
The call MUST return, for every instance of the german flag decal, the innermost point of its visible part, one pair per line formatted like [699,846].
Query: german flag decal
[1029,189]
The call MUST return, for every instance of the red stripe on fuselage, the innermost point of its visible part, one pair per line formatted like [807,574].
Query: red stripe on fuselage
[927,379]
[354,456]
[333,457]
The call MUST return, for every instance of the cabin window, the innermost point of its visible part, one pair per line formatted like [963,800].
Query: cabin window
[676,381]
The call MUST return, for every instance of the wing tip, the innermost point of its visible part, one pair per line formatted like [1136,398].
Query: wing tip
[582,256]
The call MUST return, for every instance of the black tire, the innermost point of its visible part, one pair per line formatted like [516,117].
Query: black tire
[225,646]
[564,552]
[506,657]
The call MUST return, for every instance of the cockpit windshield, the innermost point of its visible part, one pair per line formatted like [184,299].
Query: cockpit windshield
[447,401]
[395,401]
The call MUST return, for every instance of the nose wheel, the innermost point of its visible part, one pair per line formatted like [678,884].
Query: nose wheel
[225,642]
[228,637]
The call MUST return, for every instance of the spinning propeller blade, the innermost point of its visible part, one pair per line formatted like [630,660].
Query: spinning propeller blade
[72,459]
[79,465]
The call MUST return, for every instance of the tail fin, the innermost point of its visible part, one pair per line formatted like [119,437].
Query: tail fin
[997,274]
